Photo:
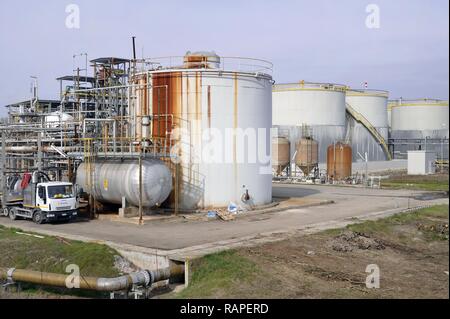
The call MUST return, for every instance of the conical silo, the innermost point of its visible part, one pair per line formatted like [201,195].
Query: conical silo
[280,154]
[321,106]
[372,105]
[307,154]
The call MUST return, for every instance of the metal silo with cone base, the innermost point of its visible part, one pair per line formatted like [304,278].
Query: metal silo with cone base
[307,155]
[280,154]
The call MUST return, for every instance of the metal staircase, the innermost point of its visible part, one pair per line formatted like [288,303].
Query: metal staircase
[378,137]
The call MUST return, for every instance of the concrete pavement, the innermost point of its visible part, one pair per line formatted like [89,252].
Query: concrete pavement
[175,236]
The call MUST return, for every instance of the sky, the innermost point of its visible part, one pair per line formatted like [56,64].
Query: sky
[317,41]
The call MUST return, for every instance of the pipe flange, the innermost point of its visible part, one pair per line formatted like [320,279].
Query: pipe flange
[148,278]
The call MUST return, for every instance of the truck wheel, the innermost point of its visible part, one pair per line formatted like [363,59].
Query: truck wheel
[38,217]
[6,211]
[12,214]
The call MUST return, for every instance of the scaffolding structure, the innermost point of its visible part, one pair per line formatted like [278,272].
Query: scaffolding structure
[95,118]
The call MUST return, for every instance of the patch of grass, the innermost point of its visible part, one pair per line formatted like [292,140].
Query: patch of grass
[386,225]
[426,183]
[53,255]
[218,272]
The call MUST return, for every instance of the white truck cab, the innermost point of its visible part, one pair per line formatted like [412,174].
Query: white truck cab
[44,201]
[56,200]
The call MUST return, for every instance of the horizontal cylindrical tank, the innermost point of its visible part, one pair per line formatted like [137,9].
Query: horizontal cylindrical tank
[372,105]
[339,161]
[307,155]
[280,154]
[112,180]
[56,119]
[220,120]
[321,106]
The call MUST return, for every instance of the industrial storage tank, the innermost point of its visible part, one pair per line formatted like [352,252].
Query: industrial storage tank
[321,106]
[280,154]
[389,114]
[413,121]
[339,161]
[307,154]
[57,119]
[113,179]
[373,106]
[217,112]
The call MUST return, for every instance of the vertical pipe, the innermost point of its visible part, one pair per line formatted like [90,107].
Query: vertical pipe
[39,153]
[140,189]
[177,188]
[2,170]
[134,48]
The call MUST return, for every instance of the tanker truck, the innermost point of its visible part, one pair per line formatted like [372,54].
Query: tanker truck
[33,196]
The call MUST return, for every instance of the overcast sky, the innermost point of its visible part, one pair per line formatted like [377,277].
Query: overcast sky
[320,41]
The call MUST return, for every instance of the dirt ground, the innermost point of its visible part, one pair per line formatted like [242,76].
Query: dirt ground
[411,251]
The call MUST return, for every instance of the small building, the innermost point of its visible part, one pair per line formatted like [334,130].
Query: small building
[421,162]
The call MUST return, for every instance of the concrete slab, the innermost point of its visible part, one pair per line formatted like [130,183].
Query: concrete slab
[180,238]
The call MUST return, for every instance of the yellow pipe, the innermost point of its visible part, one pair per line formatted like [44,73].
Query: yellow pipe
[142,278]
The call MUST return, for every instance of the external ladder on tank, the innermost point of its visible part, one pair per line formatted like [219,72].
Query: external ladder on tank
[378,137]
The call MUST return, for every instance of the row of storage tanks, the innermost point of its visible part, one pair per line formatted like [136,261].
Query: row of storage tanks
[204,93]
[323,107]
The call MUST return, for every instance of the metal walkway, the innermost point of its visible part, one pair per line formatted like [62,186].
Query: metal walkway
[378,137]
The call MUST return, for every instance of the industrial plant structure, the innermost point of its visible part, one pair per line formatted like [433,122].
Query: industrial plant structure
[363,119]
[194,132]
[151,132]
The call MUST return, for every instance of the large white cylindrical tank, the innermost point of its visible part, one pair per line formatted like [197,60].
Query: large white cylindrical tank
[320,106]
[420,115]
[421,124]
[221,122]
[372,105]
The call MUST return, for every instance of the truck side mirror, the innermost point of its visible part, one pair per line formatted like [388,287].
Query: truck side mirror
[78,190]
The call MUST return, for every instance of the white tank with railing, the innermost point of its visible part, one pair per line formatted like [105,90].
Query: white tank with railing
[372,105]
[415,121]
[217,110]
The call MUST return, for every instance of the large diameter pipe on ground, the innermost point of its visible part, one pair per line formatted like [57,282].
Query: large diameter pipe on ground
[143,278]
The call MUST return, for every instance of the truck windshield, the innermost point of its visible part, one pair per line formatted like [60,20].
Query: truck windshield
[60,191]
